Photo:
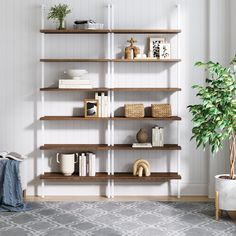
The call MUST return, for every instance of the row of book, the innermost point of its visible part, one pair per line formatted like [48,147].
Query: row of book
[74,83]
[103,104]
[87,164]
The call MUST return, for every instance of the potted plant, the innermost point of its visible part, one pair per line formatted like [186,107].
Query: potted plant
[214,122]
[59,12]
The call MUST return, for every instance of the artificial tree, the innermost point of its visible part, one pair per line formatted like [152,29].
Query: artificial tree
[214,118]
[59,12]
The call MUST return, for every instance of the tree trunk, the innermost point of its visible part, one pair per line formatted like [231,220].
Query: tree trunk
[232,153]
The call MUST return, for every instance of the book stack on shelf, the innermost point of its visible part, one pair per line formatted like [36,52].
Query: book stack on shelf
[103,108]
[87,164]
[77,79]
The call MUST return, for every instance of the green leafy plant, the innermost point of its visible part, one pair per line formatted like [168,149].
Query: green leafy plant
[59,12]
[214,118]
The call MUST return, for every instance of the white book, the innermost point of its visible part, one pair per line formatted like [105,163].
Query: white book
[97,97]
[142,145]
[83,164]
[93,165]
[74,82]
[75,86]
[90,164]
[106,111]
[80,165]
[103,105]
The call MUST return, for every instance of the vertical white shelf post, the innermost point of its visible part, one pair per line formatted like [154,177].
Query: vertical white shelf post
[109,98]
[112,100]
[42,95]
[178,108]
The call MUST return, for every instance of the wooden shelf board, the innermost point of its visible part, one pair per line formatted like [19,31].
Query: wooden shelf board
[79,147]
[146,60]
[103,176]
[75,31]
[146,31]
[75,60]
[104,147]
[116,31]
[73,118]
[128,147]
[54,89]
[154,177]
[78,90]
[54,176]
[107,118]
[147,118]
[106,60]
[146,89]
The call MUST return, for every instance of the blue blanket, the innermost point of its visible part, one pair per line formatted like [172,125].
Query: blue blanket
[11,198]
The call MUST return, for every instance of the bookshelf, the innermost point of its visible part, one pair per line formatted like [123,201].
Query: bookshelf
[108,149]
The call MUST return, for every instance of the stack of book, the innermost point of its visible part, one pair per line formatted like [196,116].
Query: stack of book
[103,104]
[157,136]
[87,164]
[76,83]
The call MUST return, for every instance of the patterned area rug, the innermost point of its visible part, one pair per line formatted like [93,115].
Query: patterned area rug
[116,218]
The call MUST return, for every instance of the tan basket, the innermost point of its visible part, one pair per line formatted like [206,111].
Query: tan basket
[134,110]
[161,110]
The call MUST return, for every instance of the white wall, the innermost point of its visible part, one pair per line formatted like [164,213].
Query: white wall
[20,67]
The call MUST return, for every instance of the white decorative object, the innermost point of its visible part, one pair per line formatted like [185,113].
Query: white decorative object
[226,189]
[155,46]
[164,51]
[67,162]
[75,73]
[158,137]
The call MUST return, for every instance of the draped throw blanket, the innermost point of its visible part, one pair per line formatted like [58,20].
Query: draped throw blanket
[11,198]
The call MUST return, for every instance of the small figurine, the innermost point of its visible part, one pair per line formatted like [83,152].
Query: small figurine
[131,51]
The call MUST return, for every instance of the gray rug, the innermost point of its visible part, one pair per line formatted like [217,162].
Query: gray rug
[116,218]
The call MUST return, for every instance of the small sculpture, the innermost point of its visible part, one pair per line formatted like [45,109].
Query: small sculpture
[141,167]
[142,136]
[131,51]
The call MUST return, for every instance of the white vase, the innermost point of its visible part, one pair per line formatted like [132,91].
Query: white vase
[67,163]
[227,192]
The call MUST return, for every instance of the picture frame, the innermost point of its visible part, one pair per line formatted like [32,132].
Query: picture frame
[154,46]
[91,108]
[165,51]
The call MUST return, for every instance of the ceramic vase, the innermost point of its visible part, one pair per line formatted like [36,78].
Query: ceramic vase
[142,136]
[67,163]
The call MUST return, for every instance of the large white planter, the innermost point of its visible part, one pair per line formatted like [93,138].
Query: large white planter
[226,189]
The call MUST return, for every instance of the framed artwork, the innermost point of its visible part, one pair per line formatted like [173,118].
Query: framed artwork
[164,51]
[91,108]
[155,46]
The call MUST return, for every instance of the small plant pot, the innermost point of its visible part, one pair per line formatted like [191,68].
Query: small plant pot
[226,189]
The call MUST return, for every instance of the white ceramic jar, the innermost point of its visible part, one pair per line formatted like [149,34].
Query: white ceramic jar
[67,163]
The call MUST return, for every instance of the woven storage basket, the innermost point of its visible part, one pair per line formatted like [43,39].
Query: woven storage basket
[161,110]
[134,110]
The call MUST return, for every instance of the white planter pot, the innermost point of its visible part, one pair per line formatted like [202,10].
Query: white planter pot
[67,162]
[227,193]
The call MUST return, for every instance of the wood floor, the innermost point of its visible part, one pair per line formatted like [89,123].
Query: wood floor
[120,198]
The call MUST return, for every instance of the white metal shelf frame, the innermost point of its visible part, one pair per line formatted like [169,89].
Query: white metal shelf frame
[110,84]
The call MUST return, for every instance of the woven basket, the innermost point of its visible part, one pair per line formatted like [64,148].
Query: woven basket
[134,110]
[161,110]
